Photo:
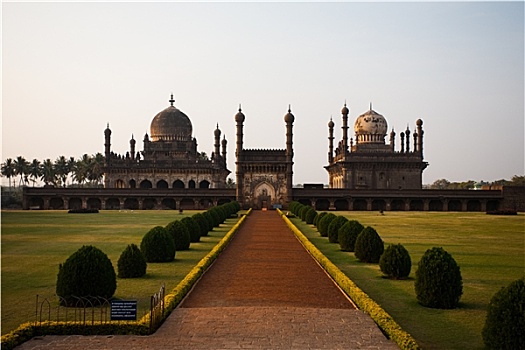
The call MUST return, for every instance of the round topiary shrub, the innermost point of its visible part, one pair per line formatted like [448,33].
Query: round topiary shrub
[333,228]
[319,217]
[217,216]
[310,216]
[348,235]
[202,222]
[322,225]
[180,234]
[157,245]
[369,246]
[209,220]
[131,263]
[303,211]
[86,273]
[505,323]
[438,280]
[193,228]
[395,262]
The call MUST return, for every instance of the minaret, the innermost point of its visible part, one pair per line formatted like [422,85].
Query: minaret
[331,141]
[407,133]
[224,143]
[107,145]
[289,119]
[402,142]
[217,142]
[132,147]
[345,111]
[415,141]
[239,119]
[393,140]
[420,131]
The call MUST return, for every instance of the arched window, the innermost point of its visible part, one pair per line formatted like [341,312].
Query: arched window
[146,184]
[191,184]
[204,184]
[132,183]
[162,184]
[178,184]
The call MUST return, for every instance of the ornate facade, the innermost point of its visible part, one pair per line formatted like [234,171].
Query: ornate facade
[169,158]
[264,177]
[369,163]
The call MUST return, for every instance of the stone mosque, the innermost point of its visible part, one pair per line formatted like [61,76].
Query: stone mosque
[370,163]
[364,173]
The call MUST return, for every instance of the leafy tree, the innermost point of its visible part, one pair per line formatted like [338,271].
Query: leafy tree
[62,169]
[441,184]
[518,180]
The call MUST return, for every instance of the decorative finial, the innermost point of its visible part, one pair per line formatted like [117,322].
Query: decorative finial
[240,110]
[172,100]
[289,108]
[370,105]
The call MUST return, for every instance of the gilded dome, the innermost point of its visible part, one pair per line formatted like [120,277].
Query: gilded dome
[171,124]
[371,123]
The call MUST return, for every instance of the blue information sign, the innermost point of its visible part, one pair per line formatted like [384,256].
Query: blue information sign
[123,310]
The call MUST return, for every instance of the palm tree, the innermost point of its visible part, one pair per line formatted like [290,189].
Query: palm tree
[48,172]
[62,169]
[35,170]
[22,169]
[8,170]
[95,167]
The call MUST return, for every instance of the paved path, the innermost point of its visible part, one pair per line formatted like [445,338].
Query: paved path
[263,292]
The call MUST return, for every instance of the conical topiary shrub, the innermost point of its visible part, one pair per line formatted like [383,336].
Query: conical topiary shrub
[322,225]
[348,235]
[395,262]
[193,228]
[505,323]
[438,280]
[369,246]
[86,273]
[180,234]
[333,228]
[202,222]
[157,245]
[131,263]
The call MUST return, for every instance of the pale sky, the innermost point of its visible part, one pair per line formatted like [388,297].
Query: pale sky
[68,69]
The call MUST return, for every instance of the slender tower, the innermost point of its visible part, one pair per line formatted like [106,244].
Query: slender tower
[132,147]
[107,153]
[224,143]
[239,119]
[420,131]
[345,111]
[331,141]
[217,133]
[289,119]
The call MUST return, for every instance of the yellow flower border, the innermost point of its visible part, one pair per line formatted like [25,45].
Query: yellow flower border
[385,322]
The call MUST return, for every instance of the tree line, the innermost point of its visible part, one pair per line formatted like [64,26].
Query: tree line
[444,184]
[86,169]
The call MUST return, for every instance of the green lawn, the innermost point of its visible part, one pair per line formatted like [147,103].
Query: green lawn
[34,243]
[490,251]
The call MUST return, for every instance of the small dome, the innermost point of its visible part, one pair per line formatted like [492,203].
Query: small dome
[371,123]
[217,131]
[419,122]
[289,118]
[345,110]
[171,124]
[239,117]
[331,123]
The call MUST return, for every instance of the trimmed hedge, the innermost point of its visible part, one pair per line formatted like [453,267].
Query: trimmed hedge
[333,228]
[322,225]
[158,245]
[87,272]
[505,323]
[385,322]
[348,235]
[369,246]
[395,262]
[131,263]
[193,228]
[181,235]
[202,222]
[438,280]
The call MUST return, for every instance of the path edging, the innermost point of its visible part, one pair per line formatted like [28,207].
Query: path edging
[385,322]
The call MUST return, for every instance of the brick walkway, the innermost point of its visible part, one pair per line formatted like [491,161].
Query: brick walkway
[263,292]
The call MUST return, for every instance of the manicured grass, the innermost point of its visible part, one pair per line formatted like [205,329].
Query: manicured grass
[490,251]
[34,243]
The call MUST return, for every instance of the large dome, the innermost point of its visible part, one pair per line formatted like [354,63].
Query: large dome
[171,124]
[370,123]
